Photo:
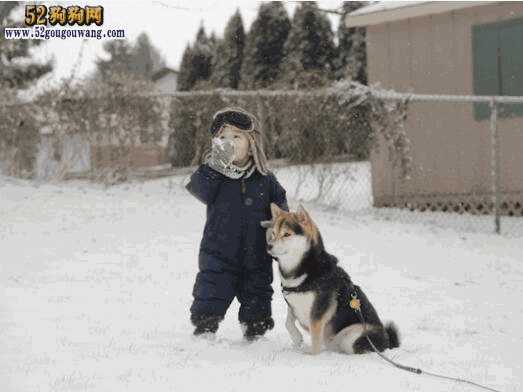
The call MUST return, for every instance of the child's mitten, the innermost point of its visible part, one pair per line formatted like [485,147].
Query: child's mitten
[222,155]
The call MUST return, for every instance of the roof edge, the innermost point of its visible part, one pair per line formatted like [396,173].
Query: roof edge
[407,11]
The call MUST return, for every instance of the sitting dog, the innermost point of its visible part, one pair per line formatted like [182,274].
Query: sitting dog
[318,292]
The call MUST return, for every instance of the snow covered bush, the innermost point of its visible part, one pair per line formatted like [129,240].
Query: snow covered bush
[18,139]
[332,124]
[340,123]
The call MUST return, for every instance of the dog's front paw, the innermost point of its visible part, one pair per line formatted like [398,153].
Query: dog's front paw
[312,350]
[296,337]
[297,342]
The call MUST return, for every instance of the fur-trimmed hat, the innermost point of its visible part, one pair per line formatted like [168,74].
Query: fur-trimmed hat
[247,122]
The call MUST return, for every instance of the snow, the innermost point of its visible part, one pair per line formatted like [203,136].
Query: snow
[96,287]
[380,6]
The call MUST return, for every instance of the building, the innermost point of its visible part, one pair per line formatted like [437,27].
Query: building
[461,48]
[165,80]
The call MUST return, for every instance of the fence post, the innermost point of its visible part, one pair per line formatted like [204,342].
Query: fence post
[494,162]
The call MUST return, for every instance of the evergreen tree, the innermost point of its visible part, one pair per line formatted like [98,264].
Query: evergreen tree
[147,59]
[201,59]
[186,76]
[352,59]
[264,46]
[140,60]
[213,43]
[120,59]
[17,70]
[309,52]
[213,40]
[228,55]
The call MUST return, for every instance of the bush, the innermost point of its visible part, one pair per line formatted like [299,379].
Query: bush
[339,123]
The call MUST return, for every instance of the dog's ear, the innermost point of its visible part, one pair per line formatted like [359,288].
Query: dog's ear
[266,224]
[303,216]
[275,210]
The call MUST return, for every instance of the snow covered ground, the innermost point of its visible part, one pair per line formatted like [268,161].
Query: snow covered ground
[95,287]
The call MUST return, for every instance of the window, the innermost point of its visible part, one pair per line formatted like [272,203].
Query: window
[498,65]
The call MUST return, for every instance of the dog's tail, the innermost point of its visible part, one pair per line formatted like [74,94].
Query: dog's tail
[394,338]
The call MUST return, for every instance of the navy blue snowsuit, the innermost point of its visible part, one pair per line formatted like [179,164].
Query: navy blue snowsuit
[233,258]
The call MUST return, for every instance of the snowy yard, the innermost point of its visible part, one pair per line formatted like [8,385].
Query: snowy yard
[96,287]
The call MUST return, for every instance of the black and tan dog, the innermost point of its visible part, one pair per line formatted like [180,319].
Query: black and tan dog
[318,291]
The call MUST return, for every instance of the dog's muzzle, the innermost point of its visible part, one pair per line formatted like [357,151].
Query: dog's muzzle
[269,248]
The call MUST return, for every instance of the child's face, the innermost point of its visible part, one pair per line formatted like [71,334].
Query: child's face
[240,140]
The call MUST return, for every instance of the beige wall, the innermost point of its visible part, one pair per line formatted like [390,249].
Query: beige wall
[451,150]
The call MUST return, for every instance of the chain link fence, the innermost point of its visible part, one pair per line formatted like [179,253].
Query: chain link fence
[453,161]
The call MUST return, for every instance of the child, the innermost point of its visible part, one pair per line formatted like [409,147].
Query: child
[237,188]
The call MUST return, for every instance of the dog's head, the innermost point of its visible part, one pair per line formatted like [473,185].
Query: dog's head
[290,234]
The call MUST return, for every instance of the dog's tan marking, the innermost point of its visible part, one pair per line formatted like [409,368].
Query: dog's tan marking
[275,210]
[318,327]
[305,220]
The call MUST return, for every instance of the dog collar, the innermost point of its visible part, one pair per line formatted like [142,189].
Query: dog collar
[290,289]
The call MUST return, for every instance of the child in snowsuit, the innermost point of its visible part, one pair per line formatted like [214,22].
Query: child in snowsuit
[237,188]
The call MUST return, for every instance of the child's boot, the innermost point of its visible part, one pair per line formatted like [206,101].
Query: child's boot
[255,329]
[205,324]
